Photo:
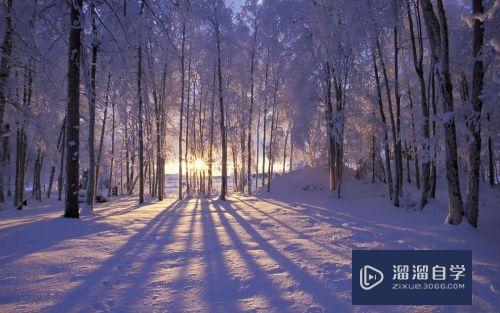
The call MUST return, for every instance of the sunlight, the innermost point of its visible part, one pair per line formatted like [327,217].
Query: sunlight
[199,165]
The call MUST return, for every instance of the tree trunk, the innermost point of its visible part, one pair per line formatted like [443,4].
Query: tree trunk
[160,122]
[111,162]
[36,192]
[384,128]
[408,172]
[330,126]
[271,139]
[474,151]
[373,158]
[141,140]
[4,158]
[21,147]
[62,149]
[243,181]
[491,158]
[51,180]
[398,154]
[186,152]
[415,149]
[73,115]
[222,116]
[5,66]
[437,30]
[284,150]
[257,154]
[181,114]
[101,139]
[91,178]
[397,191]
[211,144]
[434,135]
[249,144]
[418,52]
[265,126]
[235,168]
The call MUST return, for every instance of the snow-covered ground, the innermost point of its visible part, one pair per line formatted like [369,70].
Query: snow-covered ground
[287,251]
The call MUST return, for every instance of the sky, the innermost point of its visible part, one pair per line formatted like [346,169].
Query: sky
[236,4]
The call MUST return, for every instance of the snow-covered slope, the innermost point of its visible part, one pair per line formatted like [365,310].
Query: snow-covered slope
[286,251]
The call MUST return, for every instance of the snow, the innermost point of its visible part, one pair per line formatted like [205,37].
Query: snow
[287,251]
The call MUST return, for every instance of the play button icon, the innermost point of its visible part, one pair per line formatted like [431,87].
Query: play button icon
[370,277]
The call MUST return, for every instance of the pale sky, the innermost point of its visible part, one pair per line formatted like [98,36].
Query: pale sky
[236,4]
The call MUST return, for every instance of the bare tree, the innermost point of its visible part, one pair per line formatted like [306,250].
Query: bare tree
[222,123]
[73,115]
[111,162]
[474,151]
[101,139]
[5,66]
[384,127]
[397,186]
[140,130]
[418,56]
[91,181]
[249,142]
[437,31]
[181,114]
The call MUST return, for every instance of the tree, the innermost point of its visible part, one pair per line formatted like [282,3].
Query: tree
[397,186]
[71,209]
[140,130]
[384,127]
[181,111]
[474,149]
[418,56]
[437,31]
[222,122]
[91,181]
[5,65]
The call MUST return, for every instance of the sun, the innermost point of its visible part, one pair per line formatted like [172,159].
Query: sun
[199,164]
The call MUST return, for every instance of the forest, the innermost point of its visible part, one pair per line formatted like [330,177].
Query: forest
[233,127]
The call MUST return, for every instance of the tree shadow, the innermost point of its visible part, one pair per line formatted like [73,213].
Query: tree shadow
[131,257]
[322,293]
[260,284]
[217,276]
[39,235]
[299,234]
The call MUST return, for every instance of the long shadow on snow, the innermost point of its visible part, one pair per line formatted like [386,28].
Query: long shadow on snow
[217,278]
[259,276]
[38,235]
[322,294]
[152,265]
[299,234]
[95,285]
